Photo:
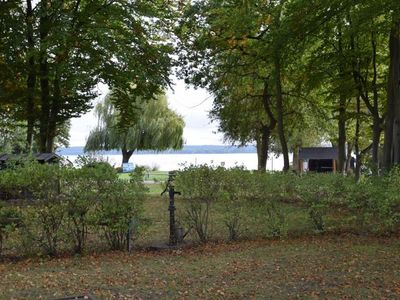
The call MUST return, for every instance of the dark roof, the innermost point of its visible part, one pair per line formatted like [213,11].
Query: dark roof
[4,157]
[47,156]
[318,153]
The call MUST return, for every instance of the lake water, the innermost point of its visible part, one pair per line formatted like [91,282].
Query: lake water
[167,162]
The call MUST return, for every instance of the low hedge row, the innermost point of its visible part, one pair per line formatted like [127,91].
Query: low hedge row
[52,206]
[373,204]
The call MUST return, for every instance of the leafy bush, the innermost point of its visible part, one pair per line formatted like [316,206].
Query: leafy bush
[120,209]
[375,202]
[234,198]
[200,187]
[9,220]
[80,190]
[48,205]
[316,196]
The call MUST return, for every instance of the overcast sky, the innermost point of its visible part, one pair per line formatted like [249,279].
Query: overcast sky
[192,104]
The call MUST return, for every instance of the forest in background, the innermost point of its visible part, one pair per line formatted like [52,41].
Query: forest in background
[284,74]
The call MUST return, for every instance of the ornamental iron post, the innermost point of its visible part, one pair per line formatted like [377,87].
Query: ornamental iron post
[173,239]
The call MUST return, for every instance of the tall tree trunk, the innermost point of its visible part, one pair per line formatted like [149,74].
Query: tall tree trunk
[263,148]
[44,28]
[342,109]
[357,141]
[31,80]
[348,156]
[53,114]
[392,128]
[279,106]
[377,121]
[342,135]
[296,166]
[126,155]
[266,129]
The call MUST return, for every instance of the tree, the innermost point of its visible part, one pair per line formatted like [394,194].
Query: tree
[153,127]
[59,50]
[392,129]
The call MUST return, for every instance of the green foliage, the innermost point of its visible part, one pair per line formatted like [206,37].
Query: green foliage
[234,193]
[120,209]
[239,196]
[75,45]
[234,199]
[62,204]
[200,187]
[152,127]
[10,218]
[63,208]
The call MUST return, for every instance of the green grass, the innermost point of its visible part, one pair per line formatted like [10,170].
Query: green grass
[155,189]
[253,226]
[322,267]
[296,266]
[159,176]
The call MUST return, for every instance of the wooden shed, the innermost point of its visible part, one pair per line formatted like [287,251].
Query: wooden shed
[43,158]
[318,159]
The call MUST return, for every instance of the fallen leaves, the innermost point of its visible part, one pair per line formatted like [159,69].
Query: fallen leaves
[321,267]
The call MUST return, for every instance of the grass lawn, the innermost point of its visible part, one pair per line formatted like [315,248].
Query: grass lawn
[319,267]
[159,176]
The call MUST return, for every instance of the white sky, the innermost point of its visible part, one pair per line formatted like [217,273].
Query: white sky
[192,104]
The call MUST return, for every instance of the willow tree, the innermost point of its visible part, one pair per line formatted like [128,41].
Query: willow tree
[153,126]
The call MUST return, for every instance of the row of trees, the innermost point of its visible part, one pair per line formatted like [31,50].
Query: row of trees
[290,73]
[54,53]
[284,73]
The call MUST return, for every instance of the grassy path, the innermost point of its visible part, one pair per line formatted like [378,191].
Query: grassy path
[320,267]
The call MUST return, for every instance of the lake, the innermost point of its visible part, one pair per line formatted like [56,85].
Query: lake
[167,162]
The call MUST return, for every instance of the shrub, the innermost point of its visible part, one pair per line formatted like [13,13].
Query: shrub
[48,207]
[233,199]
[120,208]
[200,187]
[80,190]
[9,220]
[316,192]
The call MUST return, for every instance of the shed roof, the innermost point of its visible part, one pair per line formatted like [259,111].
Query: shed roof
[47,156]
[4,157]
[318,153]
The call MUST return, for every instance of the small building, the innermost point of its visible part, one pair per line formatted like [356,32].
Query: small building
[42,158]
[318,159]
[47,158]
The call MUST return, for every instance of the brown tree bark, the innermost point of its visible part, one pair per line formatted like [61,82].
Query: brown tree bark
[296,166]
[31,80]
[392,124]
[279,106]
[44,28]
[126,155]
[263,143]
[342,109]
[377,121]
[357,141]
[263,149]
[53,114]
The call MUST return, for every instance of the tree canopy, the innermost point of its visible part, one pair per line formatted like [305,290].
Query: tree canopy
[54,53]
[284,71]
[153,127]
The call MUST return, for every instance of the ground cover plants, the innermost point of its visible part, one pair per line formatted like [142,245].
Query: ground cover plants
[51,209]
[325,267]
[246,229]
[57,207]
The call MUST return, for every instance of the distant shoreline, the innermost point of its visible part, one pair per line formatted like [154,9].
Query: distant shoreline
[188,149]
